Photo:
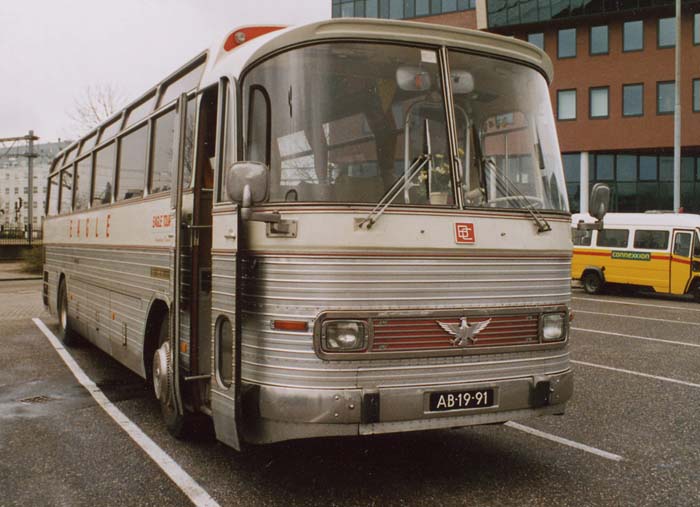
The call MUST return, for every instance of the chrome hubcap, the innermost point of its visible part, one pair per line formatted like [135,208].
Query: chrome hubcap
[160,371]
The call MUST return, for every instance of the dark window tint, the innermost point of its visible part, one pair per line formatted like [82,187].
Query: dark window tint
[572,166]
[53,194]
[666,168]
[651,240]
[633,35]
[681,244]
[666,32]
[696,247]
[566,47]
[581,238]
[665,97]
[605,167]
[613,238]
[104,175]
[626,168]
[184,84]
[633,100]
[648,170]
[83,183]
[599,40]
[537,39]
[66,190]
[132,163]
[163,152]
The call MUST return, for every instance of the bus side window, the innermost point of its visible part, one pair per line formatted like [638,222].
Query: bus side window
[581,238]
[696,248]
[651,240]
[681,245]
[613,238]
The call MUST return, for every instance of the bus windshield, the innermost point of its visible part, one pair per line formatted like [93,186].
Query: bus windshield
[507,139]
[347,120]
[343,122]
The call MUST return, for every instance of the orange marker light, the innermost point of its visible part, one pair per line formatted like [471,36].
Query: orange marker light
[183,347]
[243,35]
[290,325]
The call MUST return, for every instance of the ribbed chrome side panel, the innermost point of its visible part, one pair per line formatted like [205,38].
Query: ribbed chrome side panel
[299,287]
[223,294]
[109,294]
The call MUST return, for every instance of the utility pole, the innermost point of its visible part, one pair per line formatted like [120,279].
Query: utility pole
[30,155]
[677,117]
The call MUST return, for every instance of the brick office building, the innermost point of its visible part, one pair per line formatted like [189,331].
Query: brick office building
[613,88]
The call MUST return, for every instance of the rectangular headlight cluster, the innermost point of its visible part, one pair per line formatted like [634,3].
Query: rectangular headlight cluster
[553,327]
[344,336]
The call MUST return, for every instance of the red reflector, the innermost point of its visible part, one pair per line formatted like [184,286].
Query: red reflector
[243,35]
[290,325]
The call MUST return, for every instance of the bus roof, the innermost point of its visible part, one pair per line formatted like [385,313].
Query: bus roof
[643,219]
[234,61]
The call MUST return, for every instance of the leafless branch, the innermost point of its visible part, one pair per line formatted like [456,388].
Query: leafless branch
[97,103]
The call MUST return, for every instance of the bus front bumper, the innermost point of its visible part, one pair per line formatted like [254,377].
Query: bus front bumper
[276,413]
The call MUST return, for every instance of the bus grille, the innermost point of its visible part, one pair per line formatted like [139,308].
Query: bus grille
[422,334]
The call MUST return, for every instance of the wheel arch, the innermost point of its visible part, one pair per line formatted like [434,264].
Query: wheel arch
[594,269]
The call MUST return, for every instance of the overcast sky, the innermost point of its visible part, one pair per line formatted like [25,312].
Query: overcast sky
[52,50]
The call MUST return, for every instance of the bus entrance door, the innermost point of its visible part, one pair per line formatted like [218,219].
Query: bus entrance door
[680,270]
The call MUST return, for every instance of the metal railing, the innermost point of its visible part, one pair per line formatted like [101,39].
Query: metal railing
[19,236]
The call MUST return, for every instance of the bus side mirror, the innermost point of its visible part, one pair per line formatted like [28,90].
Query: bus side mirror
[247,184]
[600,201]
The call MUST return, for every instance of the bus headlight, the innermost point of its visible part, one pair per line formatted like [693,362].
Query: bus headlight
[553,327]
[343,335]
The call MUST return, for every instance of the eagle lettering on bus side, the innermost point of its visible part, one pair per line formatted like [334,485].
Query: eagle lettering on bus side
[85,227]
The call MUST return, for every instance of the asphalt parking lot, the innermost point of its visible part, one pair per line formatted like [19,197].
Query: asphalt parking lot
[630,435]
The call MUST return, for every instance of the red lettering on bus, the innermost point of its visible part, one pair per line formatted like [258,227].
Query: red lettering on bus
[87,227]
[107,230]
[70,229]
[97,227]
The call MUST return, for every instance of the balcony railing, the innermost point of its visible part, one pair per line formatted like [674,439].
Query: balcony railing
[19,236]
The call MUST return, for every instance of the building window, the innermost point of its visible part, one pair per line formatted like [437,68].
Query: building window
[633,100]
[633,36]
[598,98]
[599,40]
[647,168]
[666,35]
[422,7]
[567,43]
[696,95]
[537,39]
[696,28]
[396,9]
[665,97]
[566,105]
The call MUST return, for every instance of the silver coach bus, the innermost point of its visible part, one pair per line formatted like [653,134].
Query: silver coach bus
[350,227]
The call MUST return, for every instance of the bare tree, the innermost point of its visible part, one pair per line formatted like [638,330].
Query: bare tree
[95,105]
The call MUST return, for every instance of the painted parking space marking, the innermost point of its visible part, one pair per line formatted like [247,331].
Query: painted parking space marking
[646,338]
[182,479]
[640,318]
[565,441]
[638,373]
[688,308]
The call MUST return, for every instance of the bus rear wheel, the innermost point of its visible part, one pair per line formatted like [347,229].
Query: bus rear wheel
[65,332]
[592,282]
[162,375]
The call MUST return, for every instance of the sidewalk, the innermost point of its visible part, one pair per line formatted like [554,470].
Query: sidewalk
[12,271]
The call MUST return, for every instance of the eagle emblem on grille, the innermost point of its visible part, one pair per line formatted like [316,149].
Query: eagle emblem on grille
[464,332]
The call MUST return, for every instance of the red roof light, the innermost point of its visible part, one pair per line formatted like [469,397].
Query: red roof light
[243,35]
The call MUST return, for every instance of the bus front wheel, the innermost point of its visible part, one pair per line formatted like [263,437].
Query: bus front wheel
[163,383]
[592,282]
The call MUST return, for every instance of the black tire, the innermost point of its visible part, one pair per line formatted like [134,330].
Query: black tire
[175,422]
[66,333]
[592,282]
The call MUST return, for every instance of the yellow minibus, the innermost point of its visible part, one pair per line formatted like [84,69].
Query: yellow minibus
[660,251]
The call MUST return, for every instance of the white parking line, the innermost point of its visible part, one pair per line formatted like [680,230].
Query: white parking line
[688,308]
[640,374]
[640,318]
[565,441]
[181,478]
[671,342]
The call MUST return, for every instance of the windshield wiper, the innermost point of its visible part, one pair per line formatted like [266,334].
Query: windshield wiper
[510,189]
[395,190]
